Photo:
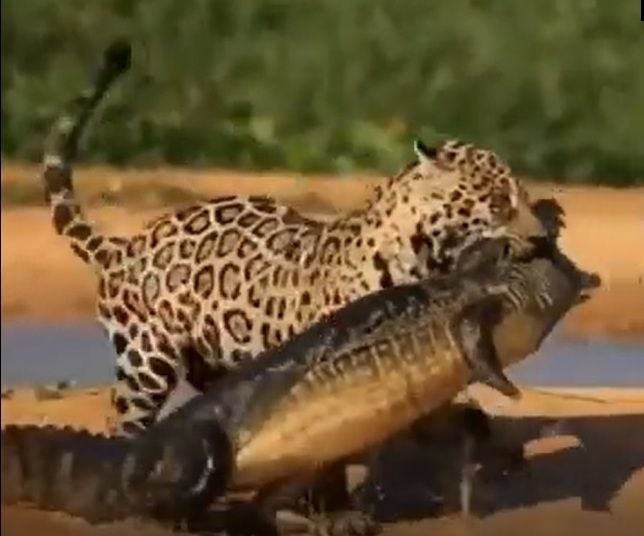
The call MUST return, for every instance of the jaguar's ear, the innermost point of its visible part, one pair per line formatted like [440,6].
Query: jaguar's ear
[424,153]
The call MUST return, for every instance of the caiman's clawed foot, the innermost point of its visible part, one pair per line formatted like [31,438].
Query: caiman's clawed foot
[250,520]
[292,522]
[237,519]
[348,523]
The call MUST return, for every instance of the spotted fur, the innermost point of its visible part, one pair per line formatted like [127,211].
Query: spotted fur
[204,287]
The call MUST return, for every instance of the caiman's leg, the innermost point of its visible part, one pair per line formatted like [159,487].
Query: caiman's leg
[284,504]
[326,491]
[479,445]
[236,519]
[330,490]
[459,429]
[464,429]
[475,431]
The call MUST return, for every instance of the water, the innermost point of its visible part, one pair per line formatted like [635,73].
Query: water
[46,353]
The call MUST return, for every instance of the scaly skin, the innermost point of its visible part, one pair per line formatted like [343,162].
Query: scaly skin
[348,383]
[62,469]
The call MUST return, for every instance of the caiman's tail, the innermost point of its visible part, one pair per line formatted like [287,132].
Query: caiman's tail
[60,151]
[170,478]
[65,470]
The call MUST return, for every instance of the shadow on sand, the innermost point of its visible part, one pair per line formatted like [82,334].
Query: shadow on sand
[592,460]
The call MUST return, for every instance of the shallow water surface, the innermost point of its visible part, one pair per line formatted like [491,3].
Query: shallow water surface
[46,353]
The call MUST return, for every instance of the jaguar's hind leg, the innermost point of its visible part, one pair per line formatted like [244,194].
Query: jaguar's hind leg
[147,371]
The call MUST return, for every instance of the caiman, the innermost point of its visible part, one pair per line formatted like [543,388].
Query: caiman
[345,385]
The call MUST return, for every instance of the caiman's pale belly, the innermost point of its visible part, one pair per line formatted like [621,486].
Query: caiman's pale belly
[317,424]
[518,335]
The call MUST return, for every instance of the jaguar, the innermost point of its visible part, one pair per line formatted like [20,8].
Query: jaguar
[209,285]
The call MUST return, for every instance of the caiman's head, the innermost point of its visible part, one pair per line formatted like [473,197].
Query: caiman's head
[532,294]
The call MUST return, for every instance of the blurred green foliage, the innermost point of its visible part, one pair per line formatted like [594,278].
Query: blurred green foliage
[555,86]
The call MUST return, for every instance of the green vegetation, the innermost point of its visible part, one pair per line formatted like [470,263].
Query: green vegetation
[556,87]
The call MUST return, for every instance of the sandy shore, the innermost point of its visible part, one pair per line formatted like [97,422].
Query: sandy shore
[586,476]
[43,280]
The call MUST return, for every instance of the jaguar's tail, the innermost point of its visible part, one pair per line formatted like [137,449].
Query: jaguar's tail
[60,151]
